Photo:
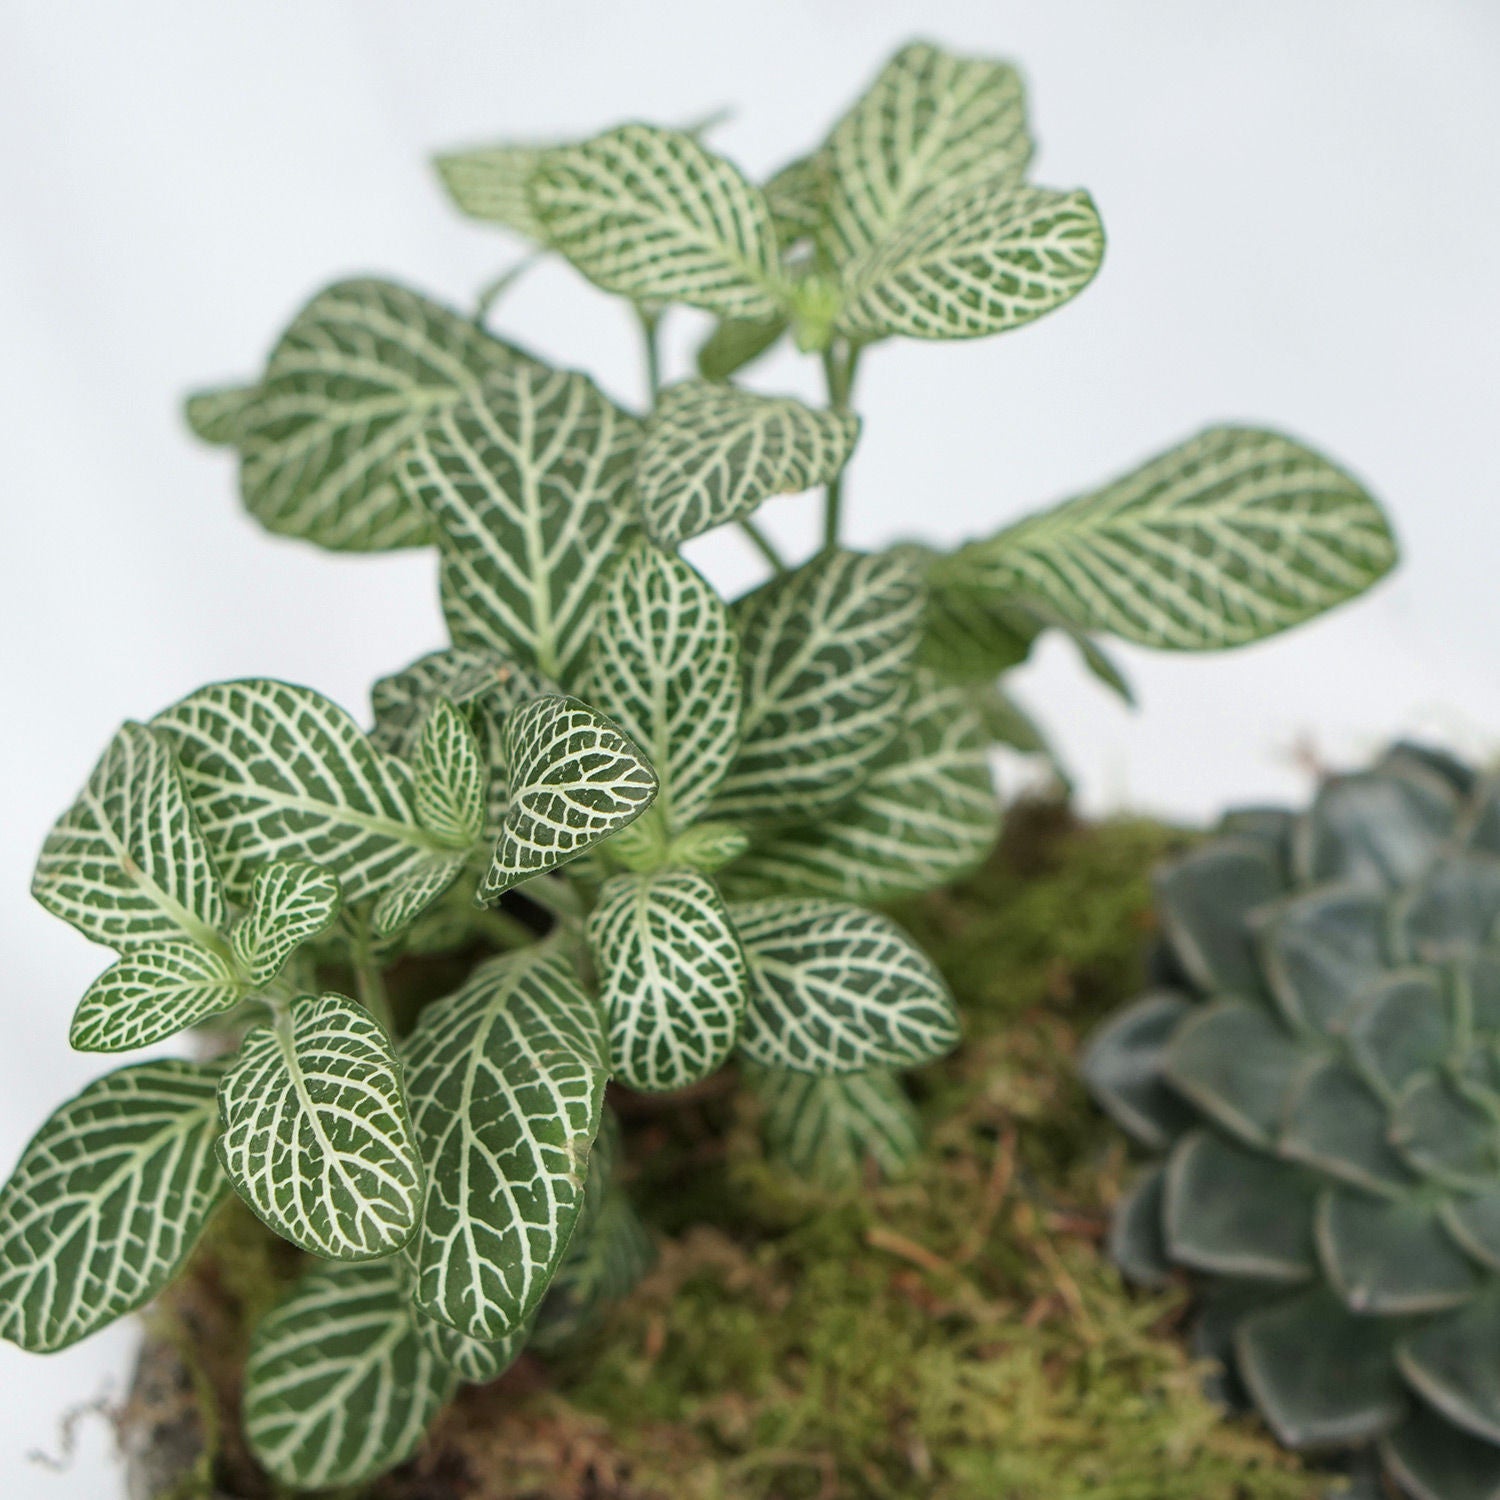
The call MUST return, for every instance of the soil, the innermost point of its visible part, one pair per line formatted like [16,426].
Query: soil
[957,1335]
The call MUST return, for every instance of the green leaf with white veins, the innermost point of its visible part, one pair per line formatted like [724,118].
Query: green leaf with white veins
[402,903]
[339,1385]
[493,183]
[152,993]
[483,684]
[128,863]
[982,261]
[712,453]
[275,771]
[574,780]
[672,978]
[466,678]
[666,669]
[469,1361]
[317,1138]
[652,215]
[927,814]
[291,900]
[506,1079]
[827,656]
[836,989]
[526,486]
[827,1129]
[798,196]
[450,776]
[1231,537]
[360,370]
[106,1202]
[220,416]
[930,125]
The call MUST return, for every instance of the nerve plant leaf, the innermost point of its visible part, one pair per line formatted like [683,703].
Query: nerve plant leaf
[931,125]
[360,370]
[735,343]
[827,654]
[712,453]
[279,772]
[469,1361]
[798,196]
[339,1385]
[106,1202]
[526,488]
[403,902]
[128,864]
[574,780]
[221,416]
[672,978]
[317,1139]
[1233,536]
[402,701]
[666,669]
[492,183]
[450,778]
[836,989]
[926,814]
[152,993]
[291,900]
[982,261]
[506,1078]
[829,1130]
[652,215]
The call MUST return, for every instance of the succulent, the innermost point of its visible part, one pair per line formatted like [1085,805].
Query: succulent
[1317,1067]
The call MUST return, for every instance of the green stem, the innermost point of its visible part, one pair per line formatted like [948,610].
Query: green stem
[650,325]
[839,363]
[369,981]
[506,930]
[492,293]
[764,545]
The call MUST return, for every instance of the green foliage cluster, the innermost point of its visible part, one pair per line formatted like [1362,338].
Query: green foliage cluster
[651,824]
[1319,1062]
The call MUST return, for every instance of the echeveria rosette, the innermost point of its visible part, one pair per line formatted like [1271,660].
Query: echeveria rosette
[1317,1068]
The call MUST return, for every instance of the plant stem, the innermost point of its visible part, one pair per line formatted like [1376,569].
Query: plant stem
[497,288]
[370,983]
[650,325]
[764,545]
[506,930]
[839,362]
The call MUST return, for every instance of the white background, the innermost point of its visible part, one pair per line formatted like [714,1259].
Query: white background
[1303,204]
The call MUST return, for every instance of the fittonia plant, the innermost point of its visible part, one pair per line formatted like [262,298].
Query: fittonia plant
[650,825]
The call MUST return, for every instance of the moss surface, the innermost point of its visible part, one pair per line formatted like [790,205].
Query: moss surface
[955,1336]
